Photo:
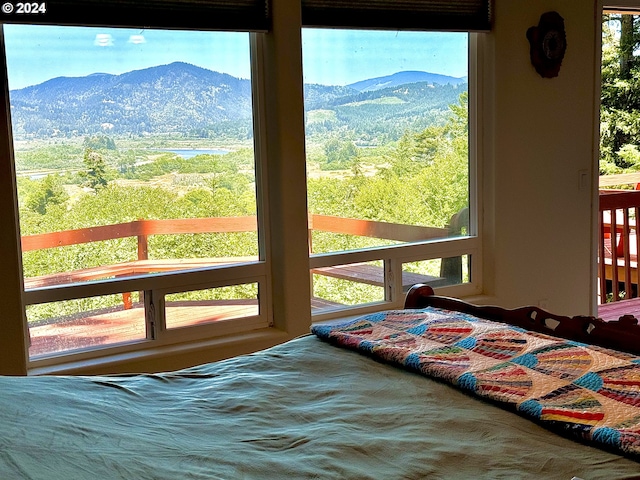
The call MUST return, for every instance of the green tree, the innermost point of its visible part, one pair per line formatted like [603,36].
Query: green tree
[340,154]
[99,142]
[95,173]
[426,183]
[46,192]
[620,94]
[429,175]
[127,163]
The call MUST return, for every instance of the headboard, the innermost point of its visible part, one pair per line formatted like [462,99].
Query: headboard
[623,334]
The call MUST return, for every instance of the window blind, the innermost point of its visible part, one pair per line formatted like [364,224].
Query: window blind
[243,15]
[449,15]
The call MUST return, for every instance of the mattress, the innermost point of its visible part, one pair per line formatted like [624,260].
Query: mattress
[303,409]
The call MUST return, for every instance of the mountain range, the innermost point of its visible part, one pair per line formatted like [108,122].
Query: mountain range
[403,78]
[185,99]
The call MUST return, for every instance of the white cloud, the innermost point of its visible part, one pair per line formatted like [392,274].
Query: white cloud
[137,39]
[103,40]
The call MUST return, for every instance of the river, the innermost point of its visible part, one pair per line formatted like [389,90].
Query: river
[187,153]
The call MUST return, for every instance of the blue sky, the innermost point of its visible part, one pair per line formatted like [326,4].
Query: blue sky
[341,57]
[331,57]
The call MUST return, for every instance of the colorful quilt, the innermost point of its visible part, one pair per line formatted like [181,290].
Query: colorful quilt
[585,391]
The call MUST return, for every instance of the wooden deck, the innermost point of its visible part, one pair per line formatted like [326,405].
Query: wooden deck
[631,306]
[135,267]
[126,323]
[614,310]
[633,260]
[374,275]
[618,245]
[119,325]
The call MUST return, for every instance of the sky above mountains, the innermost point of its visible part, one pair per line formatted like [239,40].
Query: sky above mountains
[330,57]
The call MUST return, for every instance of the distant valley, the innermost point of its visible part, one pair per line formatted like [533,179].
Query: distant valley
[186,100]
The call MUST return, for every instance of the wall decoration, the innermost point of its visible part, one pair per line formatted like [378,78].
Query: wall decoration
[548,44]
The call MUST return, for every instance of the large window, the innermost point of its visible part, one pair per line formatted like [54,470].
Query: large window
[134,157]
[159,182]
[387,140]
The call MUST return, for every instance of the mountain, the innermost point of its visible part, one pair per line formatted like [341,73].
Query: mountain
[319,96]
[376,117]
[403,78]
[169,98]
[184,99]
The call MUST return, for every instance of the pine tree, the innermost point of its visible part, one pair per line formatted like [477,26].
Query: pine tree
[620,94]
[95,173]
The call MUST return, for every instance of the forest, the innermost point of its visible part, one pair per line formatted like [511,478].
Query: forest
[620,95]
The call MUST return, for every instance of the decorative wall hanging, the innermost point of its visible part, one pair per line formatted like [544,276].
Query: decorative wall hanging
[548,44]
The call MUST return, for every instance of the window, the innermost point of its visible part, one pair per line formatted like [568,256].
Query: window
[134,157]
[387,143]
[231,229]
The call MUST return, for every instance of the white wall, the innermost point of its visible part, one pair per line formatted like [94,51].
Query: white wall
[541,135]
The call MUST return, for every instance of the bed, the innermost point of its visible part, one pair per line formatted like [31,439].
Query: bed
[334,404]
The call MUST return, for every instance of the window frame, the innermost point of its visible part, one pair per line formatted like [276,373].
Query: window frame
[156,285]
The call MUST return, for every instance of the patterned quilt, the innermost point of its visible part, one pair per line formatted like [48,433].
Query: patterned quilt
[584,391]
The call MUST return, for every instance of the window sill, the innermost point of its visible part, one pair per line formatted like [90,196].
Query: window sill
[183,355]
[169,357]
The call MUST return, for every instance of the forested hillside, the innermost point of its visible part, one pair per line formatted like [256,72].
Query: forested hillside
[182,99]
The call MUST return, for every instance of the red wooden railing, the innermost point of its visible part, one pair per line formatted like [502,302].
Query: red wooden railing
[618,244]
[142,229]
[139,228]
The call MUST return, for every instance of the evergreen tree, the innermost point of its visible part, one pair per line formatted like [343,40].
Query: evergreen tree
[95,174]
[98,142]
[620,97]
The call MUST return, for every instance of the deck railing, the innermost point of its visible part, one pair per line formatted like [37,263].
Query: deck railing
[142,229]
[618,212]
[618,244]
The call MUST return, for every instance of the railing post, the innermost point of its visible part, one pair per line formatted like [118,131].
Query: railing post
[143,246]
[143,254]
[602,267]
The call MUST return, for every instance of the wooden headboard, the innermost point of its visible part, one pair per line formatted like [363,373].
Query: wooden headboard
[623,334]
